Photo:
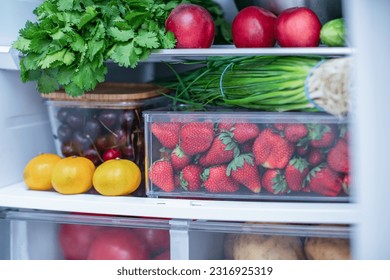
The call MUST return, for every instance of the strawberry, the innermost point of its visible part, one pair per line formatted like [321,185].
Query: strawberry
[247,147]
[161,175]
[222,150]
[244,132]
[302,150]
[176,180]
[167,134]
[295,132]
[321,135]
[196,137]
[190,177]
[215,180]
[271,150]
[225,126]
[295,173]
[179,159]
[338,158]
[274,181]
[325,181]
[164,153]
[279,126]
[244,171]
[315,157]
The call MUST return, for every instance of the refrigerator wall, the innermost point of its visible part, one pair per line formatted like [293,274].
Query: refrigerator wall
[370,151]
[24,122]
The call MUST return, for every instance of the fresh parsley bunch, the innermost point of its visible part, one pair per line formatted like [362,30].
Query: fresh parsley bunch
[71,40]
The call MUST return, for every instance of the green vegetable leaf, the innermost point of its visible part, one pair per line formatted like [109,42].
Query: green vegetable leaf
[65,74]
[73,90]
[94,47]
[168,40]
[22,44]
[120,35]
[47,82]
[147,40]
[47,61]
[88,76]
[126,54]
[90,14]
[65,5]
[77,43]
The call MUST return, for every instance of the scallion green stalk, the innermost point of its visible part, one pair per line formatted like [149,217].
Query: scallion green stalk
[271,83]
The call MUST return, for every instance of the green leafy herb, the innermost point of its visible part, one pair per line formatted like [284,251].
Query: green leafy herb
[71,40]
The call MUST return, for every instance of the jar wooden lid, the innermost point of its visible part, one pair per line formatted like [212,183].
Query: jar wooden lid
[112,92]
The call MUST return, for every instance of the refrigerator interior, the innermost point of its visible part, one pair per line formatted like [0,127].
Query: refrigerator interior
[26,132]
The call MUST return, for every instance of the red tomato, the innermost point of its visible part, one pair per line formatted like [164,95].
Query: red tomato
[118,244]
[157,240]
[75,240]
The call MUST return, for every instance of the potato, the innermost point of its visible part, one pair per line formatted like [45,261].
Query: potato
[320,248]
[265,247]
[228,244]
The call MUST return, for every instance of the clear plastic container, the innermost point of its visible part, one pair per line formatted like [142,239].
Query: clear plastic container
[244,155]
[103,124]
[267,241]
[43,235]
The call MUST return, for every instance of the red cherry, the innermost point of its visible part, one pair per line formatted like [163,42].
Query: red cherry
[112,154]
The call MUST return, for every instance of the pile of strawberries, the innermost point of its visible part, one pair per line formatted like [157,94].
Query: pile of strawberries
[250,158]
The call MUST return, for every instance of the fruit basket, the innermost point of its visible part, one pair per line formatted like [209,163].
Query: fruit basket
[104,124]
[244,155]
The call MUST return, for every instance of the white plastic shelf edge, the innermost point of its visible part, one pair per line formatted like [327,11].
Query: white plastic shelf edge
[18,196]
[9,58]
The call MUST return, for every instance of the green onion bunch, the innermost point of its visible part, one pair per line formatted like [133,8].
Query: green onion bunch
[267,83]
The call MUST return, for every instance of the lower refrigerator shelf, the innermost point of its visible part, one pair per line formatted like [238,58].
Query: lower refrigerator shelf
[36,234]
[18,196]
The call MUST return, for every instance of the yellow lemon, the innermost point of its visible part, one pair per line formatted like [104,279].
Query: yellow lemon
[117,177]
[37,173]
[73,175]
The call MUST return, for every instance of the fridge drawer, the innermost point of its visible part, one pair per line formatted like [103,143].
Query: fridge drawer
[75,236]
[267,241]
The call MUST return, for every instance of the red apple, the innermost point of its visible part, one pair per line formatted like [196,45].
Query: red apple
[298,27]
[75,240]
[118,244]
[157,240]
[253,27]
[192,25]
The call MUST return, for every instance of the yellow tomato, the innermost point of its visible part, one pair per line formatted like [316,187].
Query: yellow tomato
[73,175]
[117,177]
[37,173]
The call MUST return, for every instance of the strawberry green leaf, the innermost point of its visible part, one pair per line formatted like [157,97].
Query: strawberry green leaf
[183,182]
[205,174]
[279,184]
[299,163]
